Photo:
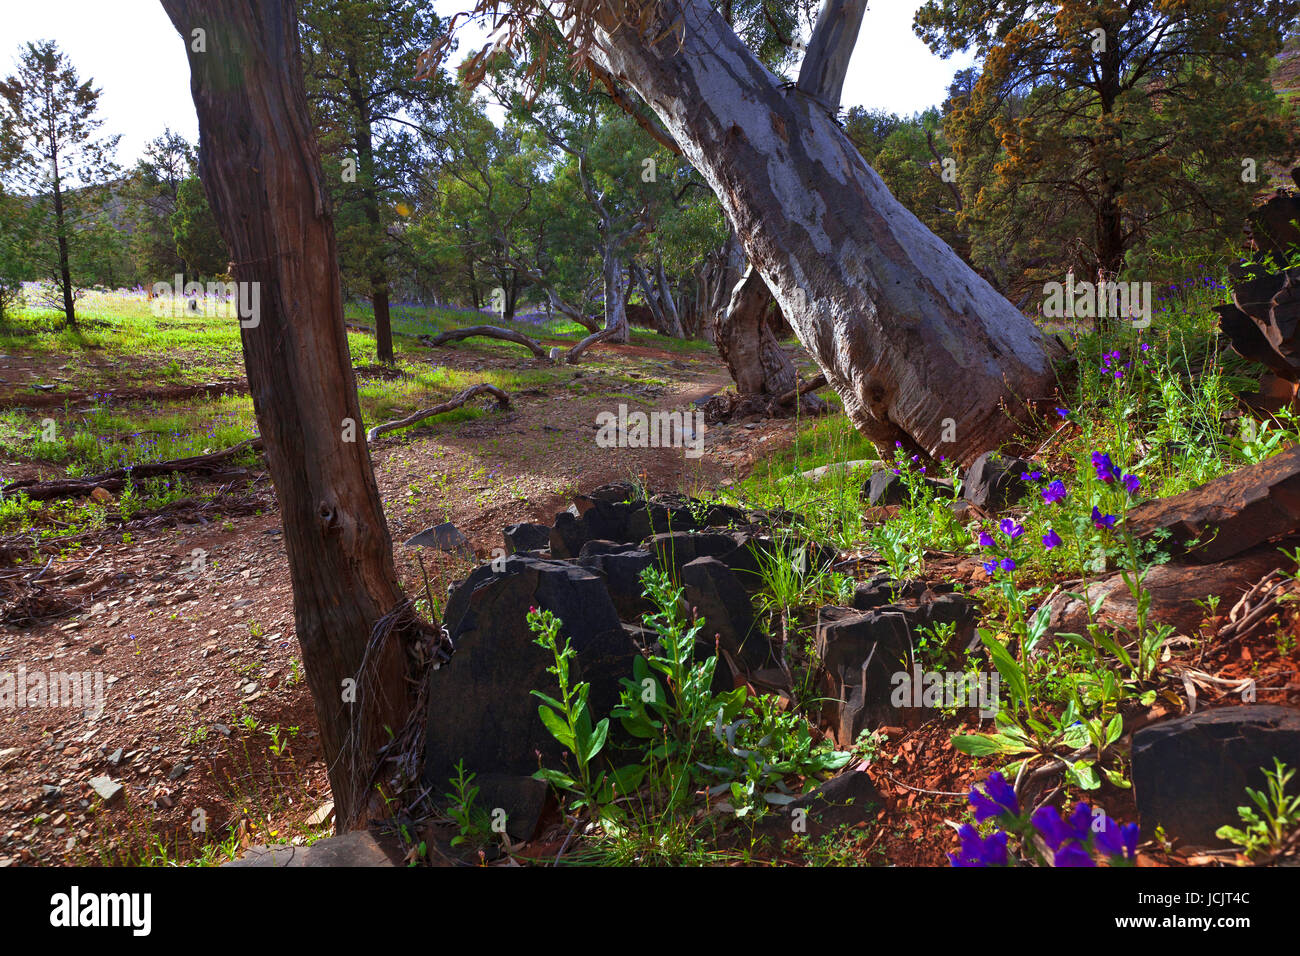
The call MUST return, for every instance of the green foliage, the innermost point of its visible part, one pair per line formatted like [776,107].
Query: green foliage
[1270,827]
[1112,150]
[195,235]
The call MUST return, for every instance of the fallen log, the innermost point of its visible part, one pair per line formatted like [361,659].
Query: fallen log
[571,356]
[115,479]
[1229,514]
[503,400]
[489,332]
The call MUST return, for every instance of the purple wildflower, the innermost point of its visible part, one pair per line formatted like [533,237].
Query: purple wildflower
[1054,493]
[986,539]
[1131,484]
[1051,539]
[980,851]
[997,798]
[1007,564]
[1106,470]
[1010,528]
[1104,522]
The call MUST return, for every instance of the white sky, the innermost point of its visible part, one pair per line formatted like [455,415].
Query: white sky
[138,61]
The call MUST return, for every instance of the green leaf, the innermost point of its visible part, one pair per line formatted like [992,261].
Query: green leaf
[1116,778]
[556,725]
[986,745]
[597,740]
[555,778]
[1006,664]
[1084,775]
[1115,728]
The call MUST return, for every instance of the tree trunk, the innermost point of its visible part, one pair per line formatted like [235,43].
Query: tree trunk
[757,364]
[370,193]
[61,228]
[668,303]
[260,166]
[746,343]
[383,321]
[615,311]
[918,346]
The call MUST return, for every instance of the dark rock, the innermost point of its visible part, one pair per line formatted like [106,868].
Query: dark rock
[723,516]
[663,514]
[621,570]
[356,848]
[458,596]
[715,594]
[480,706]
[674,549]
[886,488]
[527,537]
[567,535]
[993,481]
[1190,774]
[881,589]
[599,546]
[860,652]
[443,537]
[614,491]
[1247,507]
[610,521]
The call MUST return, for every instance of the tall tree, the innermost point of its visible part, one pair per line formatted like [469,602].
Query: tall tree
[151,192]
[195,235]
[50,115]
[360,62]
[259,162]
[1103,123]
[921,349]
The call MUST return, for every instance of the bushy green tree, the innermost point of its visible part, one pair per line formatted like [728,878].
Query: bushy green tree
[1100,127]
[195,235]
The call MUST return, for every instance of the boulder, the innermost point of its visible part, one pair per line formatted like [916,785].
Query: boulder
[480,706]
[860,652]
[993,481]
[442,537]
[886,488]
[845,800]
[356,848]
[714,593]
[1191,773]
[620,566]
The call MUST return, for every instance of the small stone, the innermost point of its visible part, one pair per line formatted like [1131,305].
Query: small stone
[106,788]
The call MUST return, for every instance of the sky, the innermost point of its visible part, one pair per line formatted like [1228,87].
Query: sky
[136,58]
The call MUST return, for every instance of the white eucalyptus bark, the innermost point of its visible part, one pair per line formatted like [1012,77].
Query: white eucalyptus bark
[907,334]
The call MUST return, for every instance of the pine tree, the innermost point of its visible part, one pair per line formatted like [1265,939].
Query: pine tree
[50,123]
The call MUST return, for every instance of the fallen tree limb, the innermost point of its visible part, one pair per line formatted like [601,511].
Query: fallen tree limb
[571,356]
[814,383]
[486,331]
[503,400]
[113,480]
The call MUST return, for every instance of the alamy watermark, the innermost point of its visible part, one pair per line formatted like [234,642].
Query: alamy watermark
[656,429]
[228,300]
[1119,300]
[79,690]
[946,689]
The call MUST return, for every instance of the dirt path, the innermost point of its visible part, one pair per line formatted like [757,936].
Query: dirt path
[206,716]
